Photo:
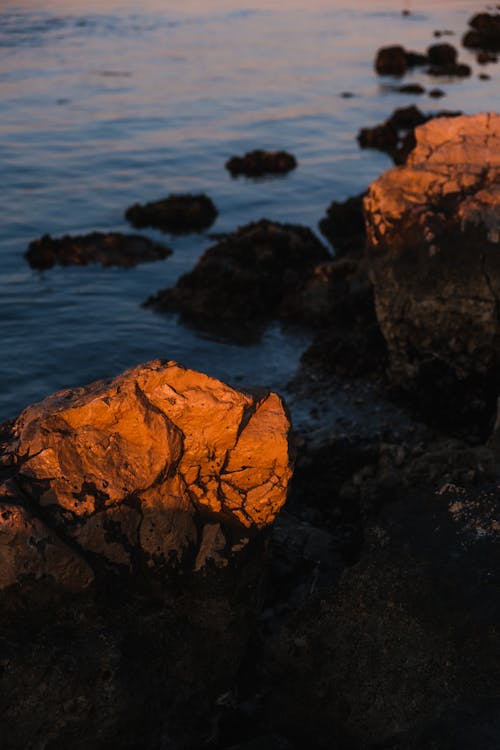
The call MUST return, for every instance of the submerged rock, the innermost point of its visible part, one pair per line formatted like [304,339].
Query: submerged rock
[132,514]
[176,214]
[110,249]
[247,277]
[258,163]
[433,237]
[484,32]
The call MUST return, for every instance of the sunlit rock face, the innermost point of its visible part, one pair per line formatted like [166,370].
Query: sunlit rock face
[133,515]
[147,468]
[433,236]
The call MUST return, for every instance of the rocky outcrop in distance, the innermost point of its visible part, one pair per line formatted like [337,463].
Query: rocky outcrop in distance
[176,214]
[433,231]
[259,163]
[441,59]
[484,33]
[109,249]
[133,518]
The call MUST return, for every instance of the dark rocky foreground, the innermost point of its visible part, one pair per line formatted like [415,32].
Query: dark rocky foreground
[110,249]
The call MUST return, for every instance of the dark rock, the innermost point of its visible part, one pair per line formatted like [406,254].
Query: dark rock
[484,77]
[176,214]
[133,517]
[444,32]
[436,93]
[111,249]
[459,70]
[246,278]
[484,57]
[259,163]
[411,88]
[436,295]
[344,225]
[485,32]
[395,60]
[442,55]
[405,118]
[347,95]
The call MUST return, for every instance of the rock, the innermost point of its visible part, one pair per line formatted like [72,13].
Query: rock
[175,214]
[484,57]
[395,60]
[110,249]
[436,93]
[344,225]
[258,163]
[442,55]
[459,70]
[247,278]
[411,88]
[436,295]
[133,518]
[485,32]
[484,77]
[396,135]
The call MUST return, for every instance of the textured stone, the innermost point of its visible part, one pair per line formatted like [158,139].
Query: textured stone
[112,249]
[131,469]
[433,235]
[176,213]
[258,163]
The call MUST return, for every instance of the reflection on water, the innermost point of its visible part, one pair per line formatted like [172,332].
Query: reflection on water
[102,105]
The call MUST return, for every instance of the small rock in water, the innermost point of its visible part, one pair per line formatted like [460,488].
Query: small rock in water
[436,93]
[258,163]
[484,33]
[109,249]
[175,214]
[411,88]
[395,60]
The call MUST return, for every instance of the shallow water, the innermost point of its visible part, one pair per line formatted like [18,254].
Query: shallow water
[103,105]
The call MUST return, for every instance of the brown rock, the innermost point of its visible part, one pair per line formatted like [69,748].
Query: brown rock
[433,234]
[130,467]
[395,60]
[484,33]
[111,249]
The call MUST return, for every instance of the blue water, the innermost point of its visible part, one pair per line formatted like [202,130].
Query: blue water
[103,105]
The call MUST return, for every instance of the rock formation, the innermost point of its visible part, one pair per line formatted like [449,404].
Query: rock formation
[433,236]
[258,163]
[246,278]
[111,249]
[126,511]
[175,214]
[395,60]
[484,33]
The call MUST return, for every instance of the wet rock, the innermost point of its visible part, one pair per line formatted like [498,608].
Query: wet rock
[344,225]
[411,88]
[484,33]
[458,70]
[246,278]
[484,77]
[395,60]
[176,214]
[436,294]
[258,163]
[445,32]
[442,55]
[110,249]
[484,57]
[436,93]
[133,517]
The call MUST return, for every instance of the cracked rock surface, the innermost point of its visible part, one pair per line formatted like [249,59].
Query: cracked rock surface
[132,552]
[433,230]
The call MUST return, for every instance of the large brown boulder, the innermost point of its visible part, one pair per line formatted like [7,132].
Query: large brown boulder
[433,229]
[132,519]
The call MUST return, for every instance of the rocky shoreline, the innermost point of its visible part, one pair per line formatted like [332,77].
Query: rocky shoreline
[183,568]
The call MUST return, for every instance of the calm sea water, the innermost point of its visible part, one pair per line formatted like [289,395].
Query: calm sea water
[106,103]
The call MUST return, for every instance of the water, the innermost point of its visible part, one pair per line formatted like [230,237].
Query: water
[105,103]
